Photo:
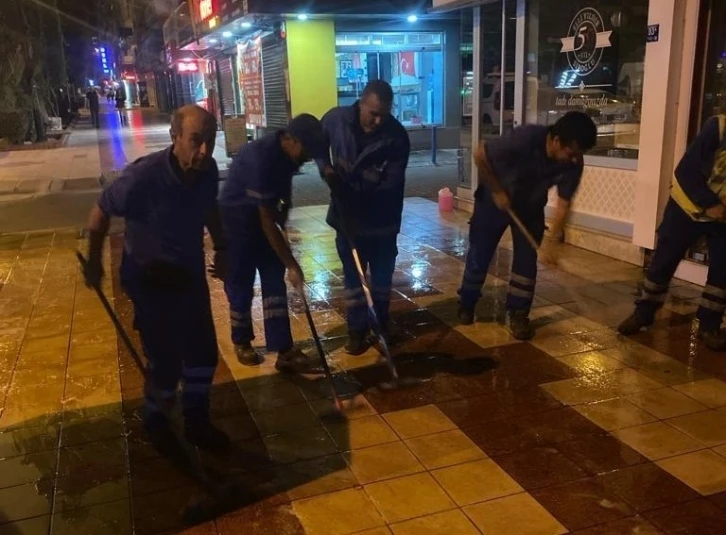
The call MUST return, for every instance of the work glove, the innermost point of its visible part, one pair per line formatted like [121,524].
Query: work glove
[220,265]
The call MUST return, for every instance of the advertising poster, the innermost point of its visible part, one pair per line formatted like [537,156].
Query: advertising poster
[251,81]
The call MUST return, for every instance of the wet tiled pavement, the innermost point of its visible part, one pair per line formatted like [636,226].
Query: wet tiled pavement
[580,431]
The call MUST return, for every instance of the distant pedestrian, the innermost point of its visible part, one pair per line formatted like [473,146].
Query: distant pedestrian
[93,105]
[121,103]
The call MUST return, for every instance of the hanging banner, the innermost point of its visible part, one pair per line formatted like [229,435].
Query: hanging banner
[235,133]
[249,57]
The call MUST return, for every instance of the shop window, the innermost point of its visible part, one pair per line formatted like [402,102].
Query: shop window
[412,62]
[588,55]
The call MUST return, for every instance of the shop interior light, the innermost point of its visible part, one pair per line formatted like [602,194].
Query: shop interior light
[226,35]
[302,16]
[213,40]
[412,18]
[246,25]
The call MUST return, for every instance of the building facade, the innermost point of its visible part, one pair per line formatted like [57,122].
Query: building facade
[270,61]
[649,72]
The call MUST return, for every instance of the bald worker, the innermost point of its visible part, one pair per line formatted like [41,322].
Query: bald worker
[166,199]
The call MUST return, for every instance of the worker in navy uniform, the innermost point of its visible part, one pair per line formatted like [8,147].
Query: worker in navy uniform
[255,202]
[516,174]
[369,150]
[167,198]
[696,208]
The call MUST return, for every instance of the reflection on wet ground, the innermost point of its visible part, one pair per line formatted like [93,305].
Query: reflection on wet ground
[578,431]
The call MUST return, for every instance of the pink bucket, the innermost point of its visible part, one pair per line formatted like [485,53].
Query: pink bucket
[446,200]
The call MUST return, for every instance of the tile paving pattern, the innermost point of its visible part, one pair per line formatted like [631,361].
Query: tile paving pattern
[580,431]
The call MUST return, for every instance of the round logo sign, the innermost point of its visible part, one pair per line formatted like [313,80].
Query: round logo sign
[585,41]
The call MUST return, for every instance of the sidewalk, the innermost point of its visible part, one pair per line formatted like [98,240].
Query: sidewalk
[579,431]
[94,155]
[77,165]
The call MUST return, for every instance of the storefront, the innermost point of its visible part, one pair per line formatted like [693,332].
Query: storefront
[627,64]
[314,60]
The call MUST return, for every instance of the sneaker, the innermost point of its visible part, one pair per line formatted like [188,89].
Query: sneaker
[466,315]
[201,433]
[248,355]
[520,326]
[295,361]
[160,434]
[633,324]
[357,344]
[715,340]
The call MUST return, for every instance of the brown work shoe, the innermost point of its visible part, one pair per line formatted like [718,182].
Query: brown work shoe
[248,355]
[295,361]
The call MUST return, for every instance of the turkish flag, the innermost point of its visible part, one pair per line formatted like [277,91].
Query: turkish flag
[407,63]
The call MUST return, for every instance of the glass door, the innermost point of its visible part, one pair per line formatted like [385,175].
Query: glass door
[497,64]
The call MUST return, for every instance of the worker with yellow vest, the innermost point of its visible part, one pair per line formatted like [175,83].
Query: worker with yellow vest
[696,208]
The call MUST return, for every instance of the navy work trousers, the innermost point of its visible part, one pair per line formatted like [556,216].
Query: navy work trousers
[179,340]
[676,234]
[379,254]
[488,224]
[249,251]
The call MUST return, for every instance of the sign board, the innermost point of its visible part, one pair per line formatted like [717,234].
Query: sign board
[235,133]
[205,9]
[249,56]
[653,33]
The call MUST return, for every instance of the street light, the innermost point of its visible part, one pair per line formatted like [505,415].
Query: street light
[412,18]
[227,35]
[246,25]
[302,16]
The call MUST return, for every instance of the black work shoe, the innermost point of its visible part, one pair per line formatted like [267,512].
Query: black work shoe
[715,340]
[295,361]
[160,434]
[248,355]
[466,315]
[201,433]
[357,344]
[520,326]
[633,324]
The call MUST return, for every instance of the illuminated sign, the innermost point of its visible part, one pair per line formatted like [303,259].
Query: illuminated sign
[187,67]
[206,9]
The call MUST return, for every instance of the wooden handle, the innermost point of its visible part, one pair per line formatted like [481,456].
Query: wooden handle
[528,236]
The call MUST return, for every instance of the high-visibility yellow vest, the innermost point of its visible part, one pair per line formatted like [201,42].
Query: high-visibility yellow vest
[716,182]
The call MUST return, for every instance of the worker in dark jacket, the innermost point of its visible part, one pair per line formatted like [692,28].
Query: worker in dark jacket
[696,208]
[255,202]
[166,199]
[366,171]
[518,171]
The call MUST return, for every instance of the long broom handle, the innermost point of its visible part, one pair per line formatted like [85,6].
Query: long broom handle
[523,229]
[114,318]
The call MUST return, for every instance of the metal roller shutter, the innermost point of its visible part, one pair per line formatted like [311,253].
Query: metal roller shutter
[274,68]
[226,85]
